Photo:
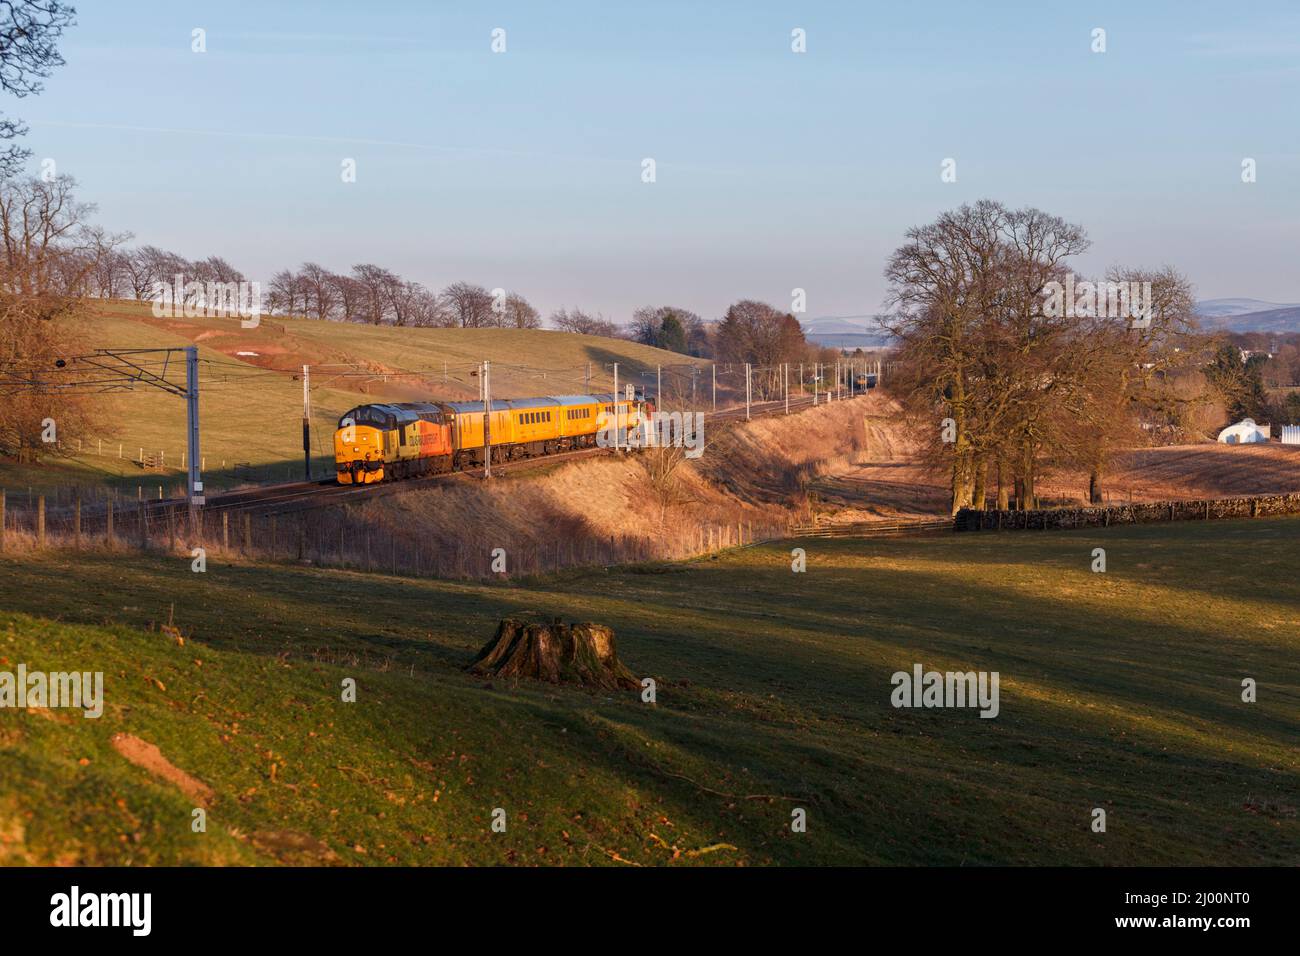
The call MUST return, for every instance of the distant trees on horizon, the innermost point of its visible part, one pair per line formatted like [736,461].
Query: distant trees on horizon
[749,332]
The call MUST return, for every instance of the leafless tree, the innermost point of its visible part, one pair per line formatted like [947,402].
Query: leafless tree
[576,320]
[287,294]
[350,295]
[375,282]
[470,305]
[39,220]
[320,293]
[520,314]
[762,336]
[29,34]
[411,303]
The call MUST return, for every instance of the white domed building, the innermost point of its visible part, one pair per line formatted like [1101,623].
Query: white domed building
[1245,432]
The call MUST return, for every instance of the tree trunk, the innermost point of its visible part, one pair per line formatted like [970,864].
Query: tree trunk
[558,653]
[1095,491]
[1003,491]
[1027,479]
[958,485]
[979,492]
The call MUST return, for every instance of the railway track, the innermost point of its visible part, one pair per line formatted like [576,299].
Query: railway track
[303,495]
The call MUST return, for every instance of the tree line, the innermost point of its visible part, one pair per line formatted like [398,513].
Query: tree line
[749,332]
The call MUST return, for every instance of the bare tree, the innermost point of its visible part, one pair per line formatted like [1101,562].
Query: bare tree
[411,303]
[286,294]
[425,308]
[39,220]
[350,294]
[520,314]
[470,305]
[760,335]
[29,33]
[319,290]
[576,320]
[375,282]
[49,263]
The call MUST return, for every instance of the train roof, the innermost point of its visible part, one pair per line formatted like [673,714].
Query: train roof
[498,405]
[406,411]
[541,401]
[582,399]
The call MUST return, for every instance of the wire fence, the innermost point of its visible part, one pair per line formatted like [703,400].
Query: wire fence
[342,537]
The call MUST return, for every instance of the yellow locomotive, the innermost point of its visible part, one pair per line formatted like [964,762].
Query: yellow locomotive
[393,441]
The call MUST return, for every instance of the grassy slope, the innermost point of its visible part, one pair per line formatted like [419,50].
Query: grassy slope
[233,397]
[1119,690]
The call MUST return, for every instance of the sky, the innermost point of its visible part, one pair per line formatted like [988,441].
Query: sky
[774,170]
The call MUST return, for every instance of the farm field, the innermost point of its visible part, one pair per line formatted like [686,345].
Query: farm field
[889,482]
[251,412]
[1119,690]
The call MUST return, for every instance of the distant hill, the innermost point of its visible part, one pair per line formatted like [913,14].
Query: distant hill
[846,331]
[1216,308]
[1249,315]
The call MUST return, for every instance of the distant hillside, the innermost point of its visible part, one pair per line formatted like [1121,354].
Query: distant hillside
[1249,315]
[1218,308]
[849,331]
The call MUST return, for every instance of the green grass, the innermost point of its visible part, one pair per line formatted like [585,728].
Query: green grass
[250,415]
[1119,690]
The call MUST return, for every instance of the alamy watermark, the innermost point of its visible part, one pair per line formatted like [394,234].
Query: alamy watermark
[133,911]
[1106,300]
[657,430]
[922,688]
[197,299]
[81,690]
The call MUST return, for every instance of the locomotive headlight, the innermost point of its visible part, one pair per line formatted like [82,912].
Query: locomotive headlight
[356,449]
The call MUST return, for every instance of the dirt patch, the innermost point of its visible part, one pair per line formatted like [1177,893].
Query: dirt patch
[146,755]
[50,715]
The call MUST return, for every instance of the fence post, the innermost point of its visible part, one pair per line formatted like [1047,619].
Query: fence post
[40,521]
[225,531]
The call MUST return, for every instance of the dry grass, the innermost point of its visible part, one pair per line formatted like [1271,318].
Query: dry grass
[747,486]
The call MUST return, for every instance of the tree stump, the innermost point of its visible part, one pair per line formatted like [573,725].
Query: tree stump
[558,653]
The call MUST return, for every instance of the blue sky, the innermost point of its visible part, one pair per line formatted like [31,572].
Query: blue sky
[775,170]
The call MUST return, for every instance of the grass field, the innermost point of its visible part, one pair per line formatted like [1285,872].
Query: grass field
[251,411]
[1119,690]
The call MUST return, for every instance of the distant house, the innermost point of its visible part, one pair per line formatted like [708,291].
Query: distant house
[1245,432]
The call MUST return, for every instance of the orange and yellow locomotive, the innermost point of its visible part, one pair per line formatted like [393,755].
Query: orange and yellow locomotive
[387,442]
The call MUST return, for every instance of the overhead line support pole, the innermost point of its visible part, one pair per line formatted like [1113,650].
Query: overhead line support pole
[195,475]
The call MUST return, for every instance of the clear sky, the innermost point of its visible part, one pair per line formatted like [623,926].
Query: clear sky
[775,169]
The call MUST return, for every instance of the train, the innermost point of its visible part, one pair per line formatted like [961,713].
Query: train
[397,440]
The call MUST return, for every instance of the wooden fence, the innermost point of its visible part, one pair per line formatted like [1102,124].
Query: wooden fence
[341,537]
